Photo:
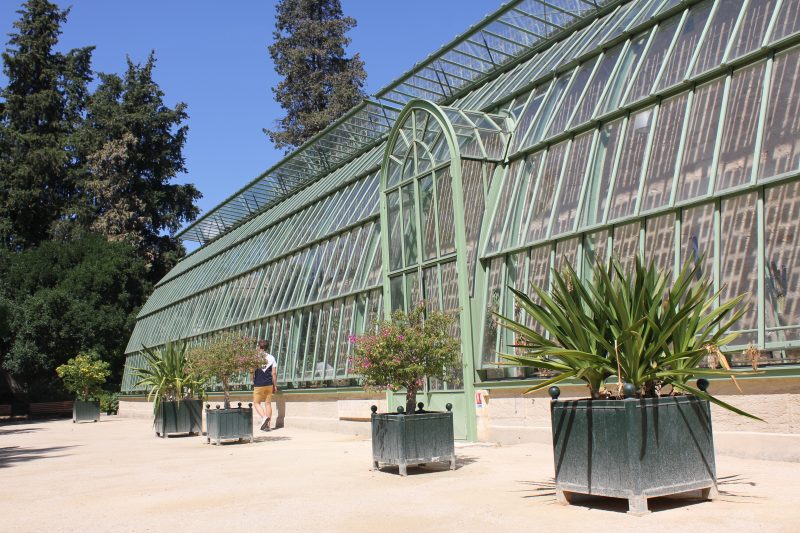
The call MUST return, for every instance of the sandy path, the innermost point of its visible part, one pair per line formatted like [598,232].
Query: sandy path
[115,476]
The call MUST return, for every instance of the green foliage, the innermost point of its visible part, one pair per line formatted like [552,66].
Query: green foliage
[406,349]
[320,84]
[167,376]
[635,326]
[84,375]
[44,100]
[66,298]
[225,356]
[109,403]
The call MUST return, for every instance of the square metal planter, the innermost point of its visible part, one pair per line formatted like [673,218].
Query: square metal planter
[181,417]
[422,437]
[234,423]
[634,448]
[85,411]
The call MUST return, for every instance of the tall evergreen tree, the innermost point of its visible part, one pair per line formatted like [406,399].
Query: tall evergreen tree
[43,106]
[135,146]
[320,83]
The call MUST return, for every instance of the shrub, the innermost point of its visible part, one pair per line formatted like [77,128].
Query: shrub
[224,357]
[109,402]
[404,350]
[84,375]
[167,376]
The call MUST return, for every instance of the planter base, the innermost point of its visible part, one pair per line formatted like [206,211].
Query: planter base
[231,424]
[415,439]
[85,411]
[637,505]
[181,417]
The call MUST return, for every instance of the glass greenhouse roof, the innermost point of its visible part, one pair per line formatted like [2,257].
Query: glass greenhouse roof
[507,33]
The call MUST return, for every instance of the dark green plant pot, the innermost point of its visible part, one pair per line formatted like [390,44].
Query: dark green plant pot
[181,417]
[235,423]
[634,449]
[399,439]
[85,411]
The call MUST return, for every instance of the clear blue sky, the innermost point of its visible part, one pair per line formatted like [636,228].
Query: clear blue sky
[213,56]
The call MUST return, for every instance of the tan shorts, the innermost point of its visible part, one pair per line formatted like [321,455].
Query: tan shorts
[262,394]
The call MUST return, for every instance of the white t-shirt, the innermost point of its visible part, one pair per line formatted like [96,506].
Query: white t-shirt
[263,375]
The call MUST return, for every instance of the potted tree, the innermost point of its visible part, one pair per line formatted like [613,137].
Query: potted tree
[223,358]
[636,339]
[84,376]
[399,354]
[172,388]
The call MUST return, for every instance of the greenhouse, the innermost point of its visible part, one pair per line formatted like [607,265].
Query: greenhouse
[551,131]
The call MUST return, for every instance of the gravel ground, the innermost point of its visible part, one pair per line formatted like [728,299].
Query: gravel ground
[116,476]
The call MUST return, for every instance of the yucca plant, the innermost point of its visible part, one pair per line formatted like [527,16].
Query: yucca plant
[167,375]
[638,326]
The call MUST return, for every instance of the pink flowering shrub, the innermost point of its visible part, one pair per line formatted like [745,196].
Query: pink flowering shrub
[225,356]
[399,353]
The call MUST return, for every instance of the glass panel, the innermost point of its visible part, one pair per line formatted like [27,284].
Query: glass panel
[571,184]
[625,245]
[739,259]
[627,68]
[566,252]
[409,226]
[782,263]
[595,249]
[675,69]
[596,201]
[430,287]
[333,334]
[530,112]
[472,184]
[527,184]
[752,28]
[413,296]
[652,61]
[493,288]
[697,238]
[427,217]
[741,125]
[543,206]
[788,20]
[395,249]
[450,292]
[503,202]
[666,141]
[701,139]
[536,131]
[444,199]
[567,106]
[396,292]
[539,276]
[780,151]
[599,82]
[346,329]
[717,36]
[626,184]
[659,241]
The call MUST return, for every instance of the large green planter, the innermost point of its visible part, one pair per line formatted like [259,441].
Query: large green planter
[85,411]
[181,417]
[234,423]
[403,440]
[634,449]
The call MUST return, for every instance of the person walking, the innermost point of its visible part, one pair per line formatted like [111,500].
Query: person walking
[265,383]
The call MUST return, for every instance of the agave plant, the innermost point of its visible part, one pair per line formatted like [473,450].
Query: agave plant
[635,326]
[167,375]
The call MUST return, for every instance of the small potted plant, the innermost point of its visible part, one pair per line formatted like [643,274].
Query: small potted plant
[84,376]
[172,387]
[400,354]
[223,358]
[636,339]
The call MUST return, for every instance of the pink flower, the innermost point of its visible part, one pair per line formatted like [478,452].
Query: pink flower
[352,339]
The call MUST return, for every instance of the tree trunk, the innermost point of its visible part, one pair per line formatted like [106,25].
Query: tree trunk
[411,400]
[226,394]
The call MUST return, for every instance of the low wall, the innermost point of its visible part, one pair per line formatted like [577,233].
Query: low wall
[507,416]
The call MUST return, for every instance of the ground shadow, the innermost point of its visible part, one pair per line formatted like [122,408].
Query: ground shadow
[11,455]
[428,468]
[17,431]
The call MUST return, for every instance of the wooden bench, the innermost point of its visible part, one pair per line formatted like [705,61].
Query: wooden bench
[50,408]
[5,409]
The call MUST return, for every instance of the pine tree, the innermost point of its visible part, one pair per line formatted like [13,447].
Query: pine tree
[320,83]
[43,105]
[135,146]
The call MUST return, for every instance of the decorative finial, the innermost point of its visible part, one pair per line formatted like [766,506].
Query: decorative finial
[420,406]
[208,406]
[250,405]
[374,409]
[239,404]
[400,409]
[554,392]
[449,407]
[217,406]
[628,390]
[702,384]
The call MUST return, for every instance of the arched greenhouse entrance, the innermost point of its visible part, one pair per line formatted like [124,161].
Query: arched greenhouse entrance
[429,242]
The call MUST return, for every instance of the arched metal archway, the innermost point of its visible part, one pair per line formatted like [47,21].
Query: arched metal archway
[425,242]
